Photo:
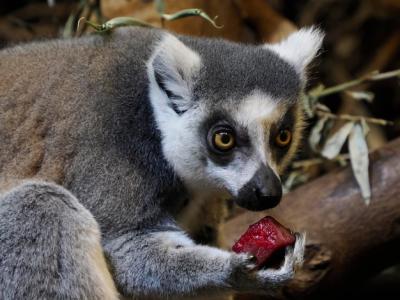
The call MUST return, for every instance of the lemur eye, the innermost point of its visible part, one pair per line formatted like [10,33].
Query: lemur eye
[283,138]
[223,139]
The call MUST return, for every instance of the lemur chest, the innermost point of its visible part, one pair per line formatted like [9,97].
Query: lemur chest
[202,214]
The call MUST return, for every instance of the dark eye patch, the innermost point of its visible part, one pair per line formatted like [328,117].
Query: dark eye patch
[242,139]
[286,122]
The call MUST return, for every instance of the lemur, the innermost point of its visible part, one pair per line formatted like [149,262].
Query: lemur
[109,143]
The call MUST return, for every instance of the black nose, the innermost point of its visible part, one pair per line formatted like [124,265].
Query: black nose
[263,191]
[269,201]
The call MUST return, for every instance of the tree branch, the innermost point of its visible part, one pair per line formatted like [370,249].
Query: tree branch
[347,240]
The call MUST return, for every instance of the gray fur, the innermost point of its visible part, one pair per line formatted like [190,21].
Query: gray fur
[231,70]
[46,237]
[77,113]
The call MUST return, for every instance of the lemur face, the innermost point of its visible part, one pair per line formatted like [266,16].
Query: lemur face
[229,114]
[246,146]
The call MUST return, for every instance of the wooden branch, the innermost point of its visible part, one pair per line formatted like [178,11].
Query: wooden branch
[270,26]
[347,240]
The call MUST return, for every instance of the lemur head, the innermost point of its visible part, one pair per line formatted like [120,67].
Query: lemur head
[229,114]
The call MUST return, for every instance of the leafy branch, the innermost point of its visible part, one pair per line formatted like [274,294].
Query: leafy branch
[354,118]
[307,163]
[114,23]
[327,144]
[190,13]
[373,76]
[312,98]
[160,8]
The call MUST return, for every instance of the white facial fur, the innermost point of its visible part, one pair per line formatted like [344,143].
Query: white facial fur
[180,144]
[300,48]
[253,111]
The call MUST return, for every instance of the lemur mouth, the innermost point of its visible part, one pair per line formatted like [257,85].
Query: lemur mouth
[266,240]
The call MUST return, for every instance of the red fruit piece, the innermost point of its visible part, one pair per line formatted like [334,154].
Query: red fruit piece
[264,238]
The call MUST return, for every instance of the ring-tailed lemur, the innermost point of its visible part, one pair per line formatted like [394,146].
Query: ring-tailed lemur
[121,136]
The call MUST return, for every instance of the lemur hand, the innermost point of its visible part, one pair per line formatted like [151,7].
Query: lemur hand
[266,281]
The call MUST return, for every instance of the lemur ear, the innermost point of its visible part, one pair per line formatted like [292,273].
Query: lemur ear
[172,68]
[299,48]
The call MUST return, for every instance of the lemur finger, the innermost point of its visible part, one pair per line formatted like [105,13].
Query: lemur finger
[299,249]
[281,275]
[244,262]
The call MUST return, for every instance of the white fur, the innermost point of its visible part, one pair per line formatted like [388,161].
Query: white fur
[235,175]
[179,141]
[255,108]
[178,239]
[255,111]
[300,48]
[173,55]
[173,239]
[294,257]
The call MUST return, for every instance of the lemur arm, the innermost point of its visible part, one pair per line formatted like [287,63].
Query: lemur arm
[166,262]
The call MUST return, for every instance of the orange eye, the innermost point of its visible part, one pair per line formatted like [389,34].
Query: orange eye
[223,140]
[283,138]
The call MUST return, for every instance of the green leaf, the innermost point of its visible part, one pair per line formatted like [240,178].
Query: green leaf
[160,6]
[308,109]
[114,23]
[190,12]
[316,133]
[310,99]
[359,160]
[294,179]
[335,143]
[322,107]
[342,161]
[365,126]
[314,92]
[361,95]
[69,26]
